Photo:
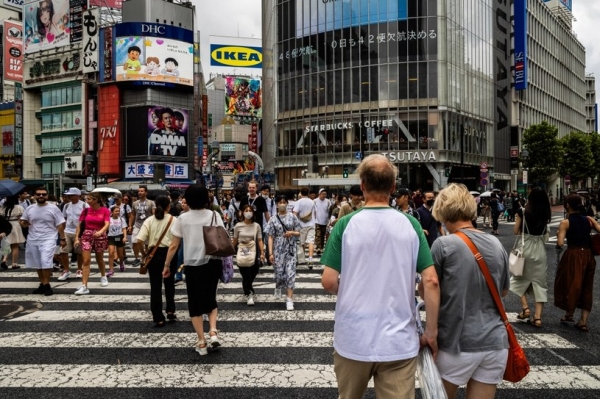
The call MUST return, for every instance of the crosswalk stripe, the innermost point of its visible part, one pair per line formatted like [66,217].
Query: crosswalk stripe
[308,376]
[94,284]
[118,276]
[229,340]
[136,315]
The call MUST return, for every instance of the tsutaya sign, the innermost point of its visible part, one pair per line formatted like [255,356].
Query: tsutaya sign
[412,156]
[347,125]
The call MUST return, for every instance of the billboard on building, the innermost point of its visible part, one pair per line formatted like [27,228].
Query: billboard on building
[109,130]
[91,44]
[13,4]
[118,4]
[13,51]
[8,143]
[157,131]
[243,97]
[146,169]
[316,16]
[49,24]
[153,54]
[235,56]
[520,40]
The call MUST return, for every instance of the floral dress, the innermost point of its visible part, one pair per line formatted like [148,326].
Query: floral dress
[284,249]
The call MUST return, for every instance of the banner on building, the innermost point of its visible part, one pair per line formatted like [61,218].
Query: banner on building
[243,97]
[49,24]
[168,132]
[235,56]
[91,45]
[8,143]
[106,57]
[146,169]
[13,51]
[254,138]
[13,4]
[118,4]
[18,124]
[520,39]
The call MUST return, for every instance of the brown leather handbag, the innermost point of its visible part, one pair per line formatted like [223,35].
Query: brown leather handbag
[216,239]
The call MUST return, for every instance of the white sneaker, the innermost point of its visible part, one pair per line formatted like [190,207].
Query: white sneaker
[79,274]
[103,281]
[289,304]
[83,290]
[250,300]
[64,276]
[277,293]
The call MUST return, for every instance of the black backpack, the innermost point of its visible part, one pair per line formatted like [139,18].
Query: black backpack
[176,208]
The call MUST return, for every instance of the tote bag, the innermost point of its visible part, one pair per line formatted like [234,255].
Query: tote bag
[516,259]
[246,254]
[216,239]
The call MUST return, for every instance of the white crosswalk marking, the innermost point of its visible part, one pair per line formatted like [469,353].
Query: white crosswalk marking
[105,340]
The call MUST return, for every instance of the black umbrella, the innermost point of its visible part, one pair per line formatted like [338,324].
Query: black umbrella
[10,187]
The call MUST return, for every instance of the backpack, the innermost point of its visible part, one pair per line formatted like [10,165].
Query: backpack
[237,214]
[175,208]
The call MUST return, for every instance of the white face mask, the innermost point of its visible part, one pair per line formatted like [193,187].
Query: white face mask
[265,196]
[248,215]
[282,207]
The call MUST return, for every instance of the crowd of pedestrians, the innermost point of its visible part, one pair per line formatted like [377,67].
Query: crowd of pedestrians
[380,236]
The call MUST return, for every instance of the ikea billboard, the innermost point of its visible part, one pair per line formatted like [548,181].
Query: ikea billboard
[225,55]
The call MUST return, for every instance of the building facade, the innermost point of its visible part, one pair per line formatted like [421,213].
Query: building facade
[591,107]
[413,80]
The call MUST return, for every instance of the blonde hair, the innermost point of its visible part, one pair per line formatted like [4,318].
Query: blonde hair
[377,174]
[453,204]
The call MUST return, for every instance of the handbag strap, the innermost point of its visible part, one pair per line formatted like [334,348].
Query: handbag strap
[162,235]
[282,225]
[486,274]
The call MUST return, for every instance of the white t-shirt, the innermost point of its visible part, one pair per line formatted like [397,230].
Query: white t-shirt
[322,211]
[116,226]
[43,222]
[71,213]
[189,227]
[302,207]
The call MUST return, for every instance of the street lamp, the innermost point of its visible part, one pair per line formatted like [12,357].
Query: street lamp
[90,162]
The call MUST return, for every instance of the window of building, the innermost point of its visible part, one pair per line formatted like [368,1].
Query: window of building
[62,120]
[61,96]
[49,169]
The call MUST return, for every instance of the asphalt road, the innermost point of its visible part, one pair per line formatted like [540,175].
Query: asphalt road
[103,345]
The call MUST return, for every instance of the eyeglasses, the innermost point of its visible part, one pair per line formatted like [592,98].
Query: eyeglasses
[41,195]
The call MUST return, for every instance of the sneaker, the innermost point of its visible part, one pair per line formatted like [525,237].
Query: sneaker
[202,351]
[214,340]
[129,262]
[103,281]
[277,293]
[289,304]
[136,262]
[310,263]
[122,266]
[250,300]
[110,273]
[48,290]
[39,290]
[65,275]
[83,290]
[79,274]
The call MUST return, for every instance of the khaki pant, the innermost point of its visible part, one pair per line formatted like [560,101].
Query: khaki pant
[392,379]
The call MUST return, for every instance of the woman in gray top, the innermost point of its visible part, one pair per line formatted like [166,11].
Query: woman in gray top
[472,341]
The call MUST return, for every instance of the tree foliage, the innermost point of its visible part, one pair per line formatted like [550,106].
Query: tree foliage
[577,159]
[595,148]
[543,146]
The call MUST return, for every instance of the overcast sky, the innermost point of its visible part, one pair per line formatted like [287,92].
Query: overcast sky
[243,17]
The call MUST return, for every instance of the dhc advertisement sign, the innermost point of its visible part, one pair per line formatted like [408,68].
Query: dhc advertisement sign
[520,61]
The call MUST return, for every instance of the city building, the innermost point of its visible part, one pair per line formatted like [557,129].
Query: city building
[550,80]
[432,85]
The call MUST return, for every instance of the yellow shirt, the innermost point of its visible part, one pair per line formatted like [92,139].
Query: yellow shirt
[153,228]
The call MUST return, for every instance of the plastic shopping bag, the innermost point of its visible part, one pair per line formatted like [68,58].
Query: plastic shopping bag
[227,274]
[429,377]
[4,247]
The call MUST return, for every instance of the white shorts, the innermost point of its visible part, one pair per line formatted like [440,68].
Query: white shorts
[134,234]
[307,235]
[485,367]
[40,255]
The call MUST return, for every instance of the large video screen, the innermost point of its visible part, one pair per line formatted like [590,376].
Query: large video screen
[157,131]
[49,24]
[243,97]
[160,59]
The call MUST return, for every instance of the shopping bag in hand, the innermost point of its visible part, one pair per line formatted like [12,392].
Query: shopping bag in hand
[429,377]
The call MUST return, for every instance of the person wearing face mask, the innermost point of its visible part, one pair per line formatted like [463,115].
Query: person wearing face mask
[272,209]
[431,227]
[283,231]
[245,232]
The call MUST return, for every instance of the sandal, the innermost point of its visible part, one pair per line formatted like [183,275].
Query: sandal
[14,266]
[201,348]
[582,327]
[537,323]
[215,342]
[525,314]
[567,319]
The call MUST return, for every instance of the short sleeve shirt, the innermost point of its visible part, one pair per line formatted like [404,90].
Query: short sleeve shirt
[188,226]
[116,226]
[259,205]
[72,212]
[95,218]
[143,210]
[43,222]
[302,207]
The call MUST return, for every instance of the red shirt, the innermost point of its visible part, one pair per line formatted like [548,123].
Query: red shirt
[95,219]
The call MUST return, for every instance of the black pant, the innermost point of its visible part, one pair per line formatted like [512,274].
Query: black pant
[495,216]
[248,276]
[155,268]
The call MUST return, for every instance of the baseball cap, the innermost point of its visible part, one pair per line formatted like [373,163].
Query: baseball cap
[72,191]
[321,190]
